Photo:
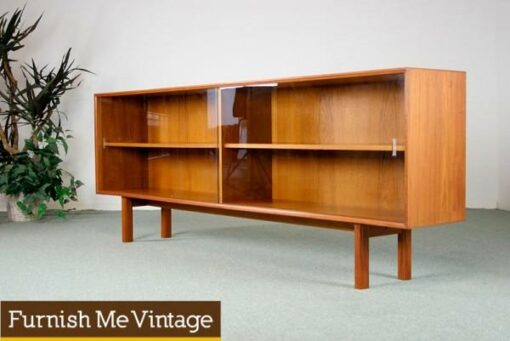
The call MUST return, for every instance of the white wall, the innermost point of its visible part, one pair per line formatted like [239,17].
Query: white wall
[503,44]
[133,44]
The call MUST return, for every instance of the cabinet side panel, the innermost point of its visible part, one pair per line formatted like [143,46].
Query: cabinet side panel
[435,152]
[120,120]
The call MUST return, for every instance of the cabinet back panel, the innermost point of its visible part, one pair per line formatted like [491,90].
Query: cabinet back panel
[246,115]
[120,120]
[356,180]
[183,118]
[246,175]
[184,174]
[338,114]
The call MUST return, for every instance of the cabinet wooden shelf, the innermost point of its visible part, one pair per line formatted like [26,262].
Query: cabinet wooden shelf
[305,210]
[386,218]
[375,152]
[160,145]
[170,196]
[289,146]
[275,146]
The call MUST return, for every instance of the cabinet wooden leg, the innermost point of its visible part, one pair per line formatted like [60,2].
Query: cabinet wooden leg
[166,222]
[404,255]
[361,257]
[127,220]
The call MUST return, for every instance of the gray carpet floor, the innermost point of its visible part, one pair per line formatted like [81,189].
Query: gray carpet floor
[275,281]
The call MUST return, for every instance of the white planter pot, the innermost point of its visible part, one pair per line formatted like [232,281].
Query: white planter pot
[14,213]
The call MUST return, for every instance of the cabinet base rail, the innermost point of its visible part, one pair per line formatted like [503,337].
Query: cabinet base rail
[362,235]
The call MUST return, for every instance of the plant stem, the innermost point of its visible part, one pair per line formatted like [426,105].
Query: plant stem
[40,126]
[10,137]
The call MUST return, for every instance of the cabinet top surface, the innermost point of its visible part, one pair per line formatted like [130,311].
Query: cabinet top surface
[358,76]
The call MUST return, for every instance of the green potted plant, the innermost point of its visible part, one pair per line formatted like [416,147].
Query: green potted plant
[31,133]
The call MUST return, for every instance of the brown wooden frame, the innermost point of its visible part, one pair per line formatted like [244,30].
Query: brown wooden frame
[313,150]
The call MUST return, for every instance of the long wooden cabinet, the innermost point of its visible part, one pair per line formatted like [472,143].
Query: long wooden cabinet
[376,152]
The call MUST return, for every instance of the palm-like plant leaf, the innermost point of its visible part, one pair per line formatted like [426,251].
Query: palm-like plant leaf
[11,35]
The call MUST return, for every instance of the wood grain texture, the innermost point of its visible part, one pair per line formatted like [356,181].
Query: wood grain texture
[246,118]
[313,150]
[247,175]
[127,220]
[270,137]
[160,145]
[318,147]
[234,211]
[335,78]
[435,151]
[166,222]
[371,113]
[404,255]
[378,231]
[369,182]
[246,115]
[184,118]
[200,201]
[184,174]
[361,257]
[185,121]
[220,139]
[329,209]
[258,115]
[120,119]
[365,76]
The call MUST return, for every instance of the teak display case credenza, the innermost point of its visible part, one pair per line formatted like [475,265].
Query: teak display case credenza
[377,152]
